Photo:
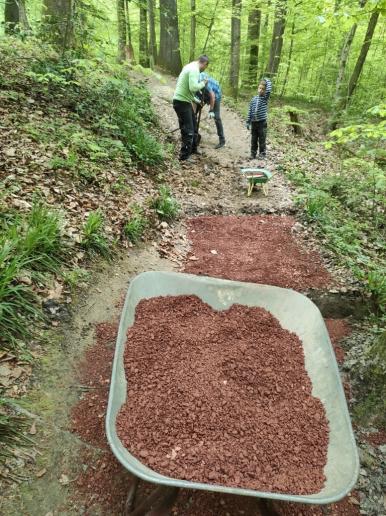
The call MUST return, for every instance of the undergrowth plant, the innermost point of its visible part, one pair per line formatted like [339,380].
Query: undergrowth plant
[136,225]
[94,240]
[165,205]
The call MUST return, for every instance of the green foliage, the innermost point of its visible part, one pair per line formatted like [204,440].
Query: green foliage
[165,205]
[28,243]
[367,139]
[137,224]
[372,371]
[94,240]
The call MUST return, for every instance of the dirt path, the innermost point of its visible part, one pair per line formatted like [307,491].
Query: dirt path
[220,189]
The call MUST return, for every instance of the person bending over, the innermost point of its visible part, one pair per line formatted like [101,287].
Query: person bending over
[188,85]
[257,118]
[212,95]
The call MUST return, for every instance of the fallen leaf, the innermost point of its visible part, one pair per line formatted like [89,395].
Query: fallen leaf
[33,430]
[40,473]
[55,292]
[64,480]
[213,251]
[193,258]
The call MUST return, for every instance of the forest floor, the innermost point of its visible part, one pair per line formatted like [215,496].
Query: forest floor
[73,470]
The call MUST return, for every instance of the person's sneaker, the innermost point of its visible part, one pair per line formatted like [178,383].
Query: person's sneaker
[252,156]
[220,145]
[189,160]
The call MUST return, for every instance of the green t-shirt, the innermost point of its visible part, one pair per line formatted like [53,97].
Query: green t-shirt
[188,83]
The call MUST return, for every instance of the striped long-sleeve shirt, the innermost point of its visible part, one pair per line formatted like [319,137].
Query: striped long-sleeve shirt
[258,108]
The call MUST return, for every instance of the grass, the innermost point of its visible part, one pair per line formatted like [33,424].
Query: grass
[94,239]
[12,431]
[165,205]
[28,243]
[136,226]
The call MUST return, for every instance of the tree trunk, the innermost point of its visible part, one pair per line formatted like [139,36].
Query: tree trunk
[152,35]
[59,16]
[254,20]
[169,51]
[344,53]
[192,30]
[277,38]
[129,50]
[362,56]
[15,16]
[121,20]
[235,47]
[143,44]
[289,57]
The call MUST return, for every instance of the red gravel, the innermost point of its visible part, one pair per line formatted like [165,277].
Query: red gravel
[376,438]
[88,416]
[221,397]
[338,329]
[259,249]
[349,506]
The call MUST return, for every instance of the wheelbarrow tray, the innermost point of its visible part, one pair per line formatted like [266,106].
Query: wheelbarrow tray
[297,314]
[257,175]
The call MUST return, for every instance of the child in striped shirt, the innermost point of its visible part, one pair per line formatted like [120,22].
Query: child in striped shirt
[257,119]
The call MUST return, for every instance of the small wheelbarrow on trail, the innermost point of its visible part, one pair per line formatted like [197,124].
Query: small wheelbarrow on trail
[297,314]
[257,176]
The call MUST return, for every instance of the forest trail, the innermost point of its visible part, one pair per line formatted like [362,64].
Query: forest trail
[227,190]
[82,476]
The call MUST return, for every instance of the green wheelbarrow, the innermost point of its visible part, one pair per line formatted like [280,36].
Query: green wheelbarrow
[297,314]
[257,176]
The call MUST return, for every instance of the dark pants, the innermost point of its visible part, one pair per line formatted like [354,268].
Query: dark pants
[258,137]
[219,126]
[185,115]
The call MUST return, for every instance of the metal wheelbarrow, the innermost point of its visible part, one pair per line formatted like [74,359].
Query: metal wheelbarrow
[257,176]
[297,314]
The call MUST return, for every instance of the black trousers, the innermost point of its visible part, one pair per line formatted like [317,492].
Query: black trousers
[258,137]
[218,121]
[186,122]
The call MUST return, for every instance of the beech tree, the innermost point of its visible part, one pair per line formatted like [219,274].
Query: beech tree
[169,50]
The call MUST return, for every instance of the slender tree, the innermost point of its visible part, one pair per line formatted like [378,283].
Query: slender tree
[122,36]
[254,21]
[15,16]
[192,50]
[210,27]
[343,58]
[129,49]
[289,61]
[143,42]
[169,47]
[235,47]
[59,17]
[277,38]
[362,57]
[152,33]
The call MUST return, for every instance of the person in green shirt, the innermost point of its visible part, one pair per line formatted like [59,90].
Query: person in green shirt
[188,84]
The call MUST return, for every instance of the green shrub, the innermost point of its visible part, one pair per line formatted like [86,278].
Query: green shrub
[136,226]
[94,240]
[165,205]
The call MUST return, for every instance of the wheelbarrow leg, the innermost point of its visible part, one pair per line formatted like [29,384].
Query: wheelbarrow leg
[131,496]
[157,504]
[266,508]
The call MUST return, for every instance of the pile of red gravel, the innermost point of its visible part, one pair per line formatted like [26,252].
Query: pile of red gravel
[259,249]
[88,416]
[221,397]
[338,329]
